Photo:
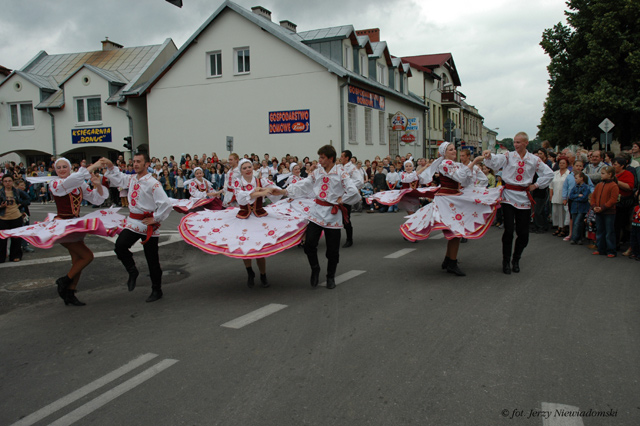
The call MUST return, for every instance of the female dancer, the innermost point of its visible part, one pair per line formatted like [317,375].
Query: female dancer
[409,194]
[248,232]
[459,209]
[292,177]
[67,228]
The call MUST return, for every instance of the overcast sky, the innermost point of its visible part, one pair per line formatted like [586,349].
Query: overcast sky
[495,43]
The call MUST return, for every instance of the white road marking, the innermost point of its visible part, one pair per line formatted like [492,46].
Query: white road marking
[344,277]
[173,238]
[112,394]
[253,316]
[83,391]
[560,420]
[399,253]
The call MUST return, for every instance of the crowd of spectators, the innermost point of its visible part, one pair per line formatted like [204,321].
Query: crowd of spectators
[567,208]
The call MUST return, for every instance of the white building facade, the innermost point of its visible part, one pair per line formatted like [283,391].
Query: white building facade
[280,92]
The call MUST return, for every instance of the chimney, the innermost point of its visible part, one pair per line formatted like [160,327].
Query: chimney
[110,45]
[373,33]
[288,25]
[261,11]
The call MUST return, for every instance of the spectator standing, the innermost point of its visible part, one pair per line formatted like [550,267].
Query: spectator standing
[559,210]
[12,204]
[626,181]
[603,201]
[579,197]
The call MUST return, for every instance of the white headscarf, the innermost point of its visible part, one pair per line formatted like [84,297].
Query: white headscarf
[62,159]
[241,162]
[407,162]
[427,175]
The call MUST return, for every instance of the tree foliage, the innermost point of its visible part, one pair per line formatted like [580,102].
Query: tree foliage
[594,72]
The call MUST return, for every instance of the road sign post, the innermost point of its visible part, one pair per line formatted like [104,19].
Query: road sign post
[606,125]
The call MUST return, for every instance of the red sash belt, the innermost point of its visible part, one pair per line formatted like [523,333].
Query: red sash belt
[150,228]
[521,189]
[334,208]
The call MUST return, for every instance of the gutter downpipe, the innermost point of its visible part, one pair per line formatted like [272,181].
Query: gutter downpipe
[53,133]
[342,145]
[126,111]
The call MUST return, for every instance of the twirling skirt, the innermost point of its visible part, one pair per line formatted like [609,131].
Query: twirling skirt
[221,232]
[45,234]
[465,215]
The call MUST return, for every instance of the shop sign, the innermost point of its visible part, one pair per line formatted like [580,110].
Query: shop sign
[399,121]
[408,138]
[365,98]
[92,135]
[296,121]
[413,124]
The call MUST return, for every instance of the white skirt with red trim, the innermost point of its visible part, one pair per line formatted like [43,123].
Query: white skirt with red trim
[45,234]
[221,232]
[392,197]
[465,215]
[196,204]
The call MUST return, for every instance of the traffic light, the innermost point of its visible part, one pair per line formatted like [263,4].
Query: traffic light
[128,145]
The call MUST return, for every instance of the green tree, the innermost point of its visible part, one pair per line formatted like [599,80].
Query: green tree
[594,72]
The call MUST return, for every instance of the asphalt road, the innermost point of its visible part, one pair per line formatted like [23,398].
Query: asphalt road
[399,341]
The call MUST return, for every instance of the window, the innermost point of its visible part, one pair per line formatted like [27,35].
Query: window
[396,80]
[405,84]
[214,64]
[21,115]
[364,65]
[368,139]
[88,110]
[243,65]
[352,123]
[382,128]
[382,74]
[348,58]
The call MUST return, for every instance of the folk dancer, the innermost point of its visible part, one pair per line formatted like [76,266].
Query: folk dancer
[518,169]
[149,206]
[333,189]
[459,209]
[248,232]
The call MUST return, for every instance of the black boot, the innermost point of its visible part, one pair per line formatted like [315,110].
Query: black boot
[63,283]
[133,275]
[250,276]
[315,276]
[515,265]
[331,273]
[156,294]
[445,262]
[347,244]
[71,299]
[453,268]
[505,266]
[263,281]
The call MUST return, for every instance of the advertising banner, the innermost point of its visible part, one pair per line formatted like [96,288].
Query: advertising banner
[365,98]
[296,121]
[92,135]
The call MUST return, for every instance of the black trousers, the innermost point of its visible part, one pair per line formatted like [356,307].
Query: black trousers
[347,226]
[332,239]
[515,220]
[540,219]
[15,251]
[126,239]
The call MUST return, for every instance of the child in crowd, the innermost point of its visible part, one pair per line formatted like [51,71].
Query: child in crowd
[603,201]
[392,182]
[635,233]
[579,197]
[43,194]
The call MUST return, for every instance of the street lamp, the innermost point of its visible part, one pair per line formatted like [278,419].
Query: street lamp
[429,113]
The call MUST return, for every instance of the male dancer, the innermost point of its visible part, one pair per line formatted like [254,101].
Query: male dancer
[229,183]
[148,207]
[518,169]
[349,168]
[333,189]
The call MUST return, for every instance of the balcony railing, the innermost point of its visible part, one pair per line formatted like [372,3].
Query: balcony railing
[451,97]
